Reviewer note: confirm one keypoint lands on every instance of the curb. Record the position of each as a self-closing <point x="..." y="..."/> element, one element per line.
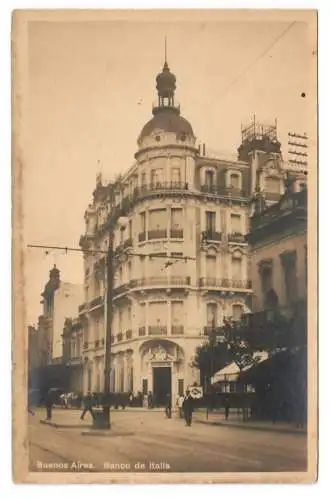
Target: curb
<point x="299" y="432"/>
<point x="64" y="426"/>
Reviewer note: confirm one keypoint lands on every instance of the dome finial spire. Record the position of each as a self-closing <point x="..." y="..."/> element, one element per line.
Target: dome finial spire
<point x="165" y="50"/>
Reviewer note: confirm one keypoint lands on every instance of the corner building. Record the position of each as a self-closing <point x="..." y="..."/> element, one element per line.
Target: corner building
<point x="179" y="202"/>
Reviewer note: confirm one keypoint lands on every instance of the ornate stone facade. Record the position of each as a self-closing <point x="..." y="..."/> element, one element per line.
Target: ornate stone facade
<point x="179" y="203"/>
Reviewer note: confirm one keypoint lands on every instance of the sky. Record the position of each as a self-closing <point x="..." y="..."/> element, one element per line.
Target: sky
<point x="90" y="91"/>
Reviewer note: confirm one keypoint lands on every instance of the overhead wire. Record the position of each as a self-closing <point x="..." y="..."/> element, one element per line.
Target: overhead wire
<point x="260" y="56"/>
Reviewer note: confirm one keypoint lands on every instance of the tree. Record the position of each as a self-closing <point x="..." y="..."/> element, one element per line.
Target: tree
<point x="241" y="341"/>
<point x="211" y="357"/>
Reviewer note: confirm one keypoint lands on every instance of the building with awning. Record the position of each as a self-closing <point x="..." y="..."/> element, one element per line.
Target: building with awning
<point x="227" y="378"/>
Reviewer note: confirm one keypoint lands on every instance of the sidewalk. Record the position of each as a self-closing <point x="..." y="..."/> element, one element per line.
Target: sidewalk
<point x="218" y="419"/>
<point x="64" y="418"/>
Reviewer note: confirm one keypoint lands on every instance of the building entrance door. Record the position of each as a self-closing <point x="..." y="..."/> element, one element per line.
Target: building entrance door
<point x="162" y="384"/>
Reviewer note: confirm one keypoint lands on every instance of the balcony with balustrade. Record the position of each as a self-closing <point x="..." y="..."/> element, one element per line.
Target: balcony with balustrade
<point x="96" y="303"/>
<point x="157" y="234"/>
<point x="160" y="234"/>
<point x="158" y="330"/>
<point x="211" y="235"/>
<point x="141" y="331"/>
<point x="224" y="284"/>
<point x="129" y="334"/>
<point x="228" y="191"/>
<point x="177" y="329"/>
<point x="153" y="282"/>
<point x="236" y="237"/>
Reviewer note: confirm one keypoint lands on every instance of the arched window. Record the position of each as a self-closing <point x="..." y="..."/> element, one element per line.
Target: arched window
<point x="211" y="313"/>
<point x="237" y="311"/>
<point x="235" y="181"/>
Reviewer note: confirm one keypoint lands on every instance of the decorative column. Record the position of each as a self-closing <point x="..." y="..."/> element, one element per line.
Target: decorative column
<point x="168" y="169"/>
<point x="125" y="371"/>
<point x="169" y="318"/>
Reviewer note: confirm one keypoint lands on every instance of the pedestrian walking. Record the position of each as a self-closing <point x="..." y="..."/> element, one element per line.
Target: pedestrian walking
<point x="188" y="408"/>
<point x="49" y="402"/>
<point x="88" y="406"/>
<point x="227" y="406"/>
<point x="168" y="406"/>
<point x="179" y="403"/>
<point x="150" y="400"/>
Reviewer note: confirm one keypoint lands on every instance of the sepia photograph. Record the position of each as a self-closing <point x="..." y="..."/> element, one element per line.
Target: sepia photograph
<point x="164" y="173"/>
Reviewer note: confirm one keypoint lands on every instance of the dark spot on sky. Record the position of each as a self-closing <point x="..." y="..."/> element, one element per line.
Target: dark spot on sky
<point x="303" y="94"/>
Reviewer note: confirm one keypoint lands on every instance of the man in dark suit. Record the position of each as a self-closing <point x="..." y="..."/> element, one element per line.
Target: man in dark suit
<point x="188" y="408"/>
<point x="88" y="405"/>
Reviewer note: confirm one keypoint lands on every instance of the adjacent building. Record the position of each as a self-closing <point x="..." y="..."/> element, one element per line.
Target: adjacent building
<point x="180" y="201"/>
<point x="60" y="300"/>
<point x="72" y="353"/>
<point x="278" y="239"/>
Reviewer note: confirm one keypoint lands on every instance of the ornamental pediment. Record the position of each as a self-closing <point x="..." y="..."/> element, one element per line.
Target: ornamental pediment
<point x="159" y="354"/>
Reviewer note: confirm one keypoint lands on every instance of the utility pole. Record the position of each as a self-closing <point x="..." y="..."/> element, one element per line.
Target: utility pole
<point x="108" y="333"/>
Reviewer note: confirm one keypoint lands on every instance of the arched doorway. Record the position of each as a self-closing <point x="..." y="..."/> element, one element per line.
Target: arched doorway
<point x="162" y="364"/>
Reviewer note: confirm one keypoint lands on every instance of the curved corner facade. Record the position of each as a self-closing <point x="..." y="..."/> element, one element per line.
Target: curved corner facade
<point x="179" y="203"/>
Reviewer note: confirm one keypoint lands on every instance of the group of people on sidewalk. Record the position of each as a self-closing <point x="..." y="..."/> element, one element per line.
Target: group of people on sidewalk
<point x="185" y="405"/>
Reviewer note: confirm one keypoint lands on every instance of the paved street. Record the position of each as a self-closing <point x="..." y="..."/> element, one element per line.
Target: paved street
<point x="147" y="441"/>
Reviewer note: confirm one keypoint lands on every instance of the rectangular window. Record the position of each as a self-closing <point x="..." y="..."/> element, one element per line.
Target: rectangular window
<point x="130" y="229"/>
<point x="209" y="179"/>
<point x="157" y="219"/>
<point x="142" y="315"/>
<point x="266" y="278"/>
<point x="290" y="278"/>
<point x="237" y="269"/>
<point x="210" y="221"/>
<point x="142" y="266"/>
<point x="211" y="312"/>
<point x="158" y="313"/>
<point x="235" y="181"/>
<point x="142" y="222"/>
<point x="237" y="311"/>
<point x="176" y="175"/>
<point x="181" y="386"/>
<point x="236" y="224"/>
<point x="177" y="312"/>
<point x="145" y="386"/>
<point x="143" y="179"/>
<point x="176" y="218"/>
<point x="156" y="176"/>
<point x="129" y="271"/>
<point x="211" y="266"/>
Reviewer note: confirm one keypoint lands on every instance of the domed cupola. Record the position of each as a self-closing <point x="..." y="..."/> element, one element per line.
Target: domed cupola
<point x="166" y="113"/>
<point x="166" y="87"/>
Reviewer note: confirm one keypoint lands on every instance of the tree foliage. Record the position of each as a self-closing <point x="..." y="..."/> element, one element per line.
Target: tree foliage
<point x="240" y="341"/>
